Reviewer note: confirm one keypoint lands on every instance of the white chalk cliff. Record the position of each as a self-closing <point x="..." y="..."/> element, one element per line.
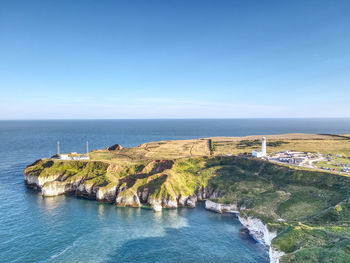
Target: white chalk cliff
<point x="257" y="229"/>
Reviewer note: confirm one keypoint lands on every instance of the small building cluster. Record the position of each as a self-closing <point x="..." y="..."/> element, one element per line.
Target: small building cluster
<point x="304" y="159"/>
<point x="73" y="155"/>
<point x="296" y="158"/>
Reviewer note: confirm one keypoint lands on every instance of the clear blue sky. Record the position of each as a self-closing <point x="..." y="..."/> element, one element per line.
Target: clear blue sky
<point x="174" y="59"/>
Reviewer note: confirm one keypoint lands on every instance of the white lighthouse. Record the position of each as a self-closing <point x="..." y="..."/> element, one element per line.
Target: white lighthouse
<point x="262" y="153"/>
<point x="263" y="146"/>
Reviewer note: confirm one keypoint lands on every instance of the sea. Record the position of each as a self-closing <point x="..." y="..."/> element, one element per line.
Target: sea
<point x="73" y="229"/>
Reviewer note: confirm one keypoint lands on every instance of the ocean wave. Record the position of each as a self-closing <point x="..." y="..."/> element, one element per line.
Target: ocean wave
<point x="63" y="251"/>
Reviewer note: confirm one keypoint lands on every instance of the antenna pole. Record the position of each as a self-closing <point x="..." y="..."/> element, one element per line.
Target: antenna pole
<point x="87" y="147"/>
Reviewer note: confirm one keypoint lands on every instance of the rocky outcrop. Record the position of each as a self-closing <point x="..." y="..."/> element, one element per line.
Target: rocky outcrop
<point x="257" y="229"/>
<point x="182" y="200"/>
<point x="106" y="193"/>
<point x="53" y="188"/>
<point x="137" y="184"/>
<point x="169" y="202"/>
<point x="127" y="200"/>
<point x="115" y="147"/>
<point x="157" y="207"/>
<point x="204" y="193"/>
<point x="39" y="181"/>
<point x="144" y="195"/>
<point x="191" y="201"/>
<point x="221" y="208"/>
<point x="275" y="255"/>
<point x="86" y="189"/>
<point x="164" y="202"/>
<point x="54" y="185"/>
<point x="260" y="232"/>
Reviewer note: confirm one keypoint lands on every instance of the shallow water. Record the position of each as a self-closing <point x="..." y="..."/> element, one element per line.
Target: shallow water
<point x="72" y="229"/>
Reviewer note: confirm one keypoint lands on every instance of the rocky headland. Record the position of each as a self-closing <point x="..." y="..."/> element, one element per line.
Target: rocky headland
<point x="299" y="215"/>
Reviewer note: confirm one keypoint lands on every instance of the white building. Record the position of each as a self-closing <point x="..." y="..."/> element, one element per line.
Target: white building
<point x="262" y="153"/>
<point x="257" y="154"/>
<point x="81" y="157"/>
<point x="77" y="157"/>
<point x="63" y="157"/>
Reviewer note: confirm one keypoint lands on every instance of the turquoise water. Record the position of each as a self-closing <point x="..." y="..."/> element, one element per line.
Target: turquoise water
<point x="71" y="229"/>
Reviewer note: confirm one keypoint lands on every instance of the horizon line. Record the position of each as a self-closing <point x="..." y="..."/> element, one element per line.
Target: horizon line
<point x="235" y="118"/>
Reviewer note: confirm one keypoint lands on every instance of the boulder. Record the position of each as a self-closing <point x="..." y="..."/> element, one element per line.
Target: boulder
<point x="115" y="147"/>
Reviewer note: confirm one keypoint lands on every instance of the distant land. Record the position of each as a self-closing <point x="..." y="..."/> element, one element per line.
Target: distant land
<point x="295" y="200"/>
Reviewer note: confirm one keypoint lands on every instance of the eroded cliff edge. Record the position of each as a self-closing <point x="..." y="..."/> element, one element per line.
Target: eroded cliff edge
<point x="299" y="214"/>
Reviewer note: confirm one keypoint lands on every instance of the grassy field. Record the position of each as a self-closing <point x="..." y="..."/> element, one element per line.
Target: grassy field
<point x="277" y="143"/>
<point x="226" y="146"/>
<point x="155" y="150"/>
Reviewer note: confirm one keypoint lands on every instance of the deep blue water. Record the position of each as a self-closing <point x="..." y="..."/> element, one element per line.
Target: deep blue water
<point x="71" y="229"/>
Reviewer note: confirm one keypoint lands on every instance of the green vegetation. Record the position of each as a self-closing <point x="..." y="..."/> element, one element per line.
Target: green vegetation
<point x="310" y="209"/>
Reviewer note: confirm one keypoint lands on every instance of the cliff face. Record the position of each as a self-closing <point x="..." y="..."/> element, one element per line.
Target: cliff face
<point x="153" y="184"/>
<point x="221" y="208"/>
<point x="286" y="209"/>
<point x="257" y="229"/>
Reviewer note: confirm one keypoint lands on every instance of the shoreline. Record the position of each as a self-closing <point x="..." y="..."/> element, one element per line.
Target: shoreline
<point x="254" y="226"/>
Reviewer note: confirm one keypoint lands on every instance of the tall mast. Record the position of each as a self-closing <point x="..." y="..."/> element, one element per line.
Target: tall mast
<point x="87" y="147"/>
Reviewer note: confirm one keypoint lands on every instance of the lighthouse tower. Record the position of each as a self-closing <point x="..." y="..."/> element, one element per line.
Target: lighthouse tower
<point x="262" y="153"/>
<point x="263" y="146"/>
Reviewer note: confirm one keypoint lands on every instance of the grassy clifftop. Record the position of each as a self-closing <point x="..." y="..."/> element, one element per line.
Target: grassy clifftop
<point x="309" y="209"/>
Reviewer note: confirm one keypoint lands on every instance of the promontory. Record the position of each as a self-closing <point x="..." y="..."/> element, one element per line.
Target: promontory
<point x="294" y="199"/>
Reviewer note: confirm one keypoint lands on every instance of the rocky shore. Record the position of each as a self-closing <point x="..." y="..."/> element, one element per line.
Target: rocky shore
<point x="51" y="186"/>
<point x="257" y="229"/>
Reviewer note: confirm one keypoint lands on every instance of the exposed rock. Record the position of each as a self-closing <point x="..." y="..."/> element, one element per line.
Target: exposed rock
<point x="275" y="255"/>
<point x="169" y="203"/>
<point x="165" y="202"/>
<point x="258" y="230"/>
<point x="221" y="208"/>
<point x="39" y="181"/>
<point x="182" y="200"/>
<point x="85" y="189"/>
<point x="127" y="200"/>
<point x="202" y="193"/>
<point x="191" y="201"/>
<point x="144" y="195"/>
<point x="157" y="207"/>
<point x="107" y="193"/>
<point x="53" y="188"/>
<point x="115" y="147"/>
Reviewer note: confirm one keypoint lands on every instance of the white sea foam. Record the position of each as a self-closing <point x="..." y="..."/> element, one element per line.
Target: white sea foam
<point x="62" y="252"/>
